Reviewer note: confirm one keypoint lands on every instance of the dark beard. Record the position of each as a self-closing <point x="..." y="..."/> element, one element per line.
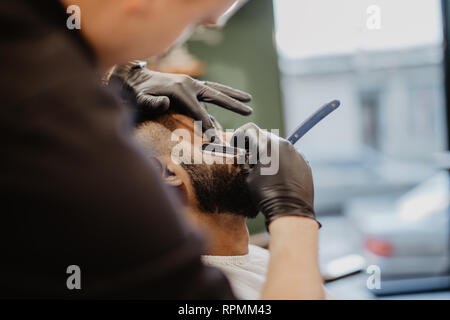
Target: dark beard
<point x="221" y="190"/>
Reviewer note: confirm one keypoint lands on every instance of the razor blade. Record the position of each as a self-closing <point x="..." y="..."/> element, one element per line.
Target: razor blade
<point x="223" y="150"/>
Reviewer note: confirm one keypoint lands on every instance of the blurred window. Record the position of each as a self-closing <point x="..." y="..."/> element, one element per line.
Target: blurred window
<point x="391" y="125"/>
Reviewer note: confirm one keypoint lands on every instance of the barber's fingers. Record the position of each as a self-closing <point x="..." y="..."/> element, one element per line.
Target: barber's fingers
<point x="156" y="104"/>
<point x="197" y="110"/>
<point x="208" y="94"/>
<point x="257" y="142"/>
<point x="301" y="154"/>
<point x="247" y="137"/>
<point x="231" y="92"/>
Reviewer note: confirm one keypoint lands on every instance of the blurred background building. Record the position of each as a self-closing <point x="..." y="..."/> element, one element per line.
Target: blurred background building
<point x="390" y="81"/>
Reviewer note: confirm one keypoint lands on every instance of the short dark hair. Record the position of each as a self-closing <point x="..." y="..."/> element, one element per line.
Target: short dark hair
<point x="156" y="133"/>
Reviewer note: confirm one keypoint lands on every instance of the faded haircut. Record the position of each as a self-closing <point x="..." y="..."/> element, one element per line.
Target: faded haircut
<point x="157" y="132"/>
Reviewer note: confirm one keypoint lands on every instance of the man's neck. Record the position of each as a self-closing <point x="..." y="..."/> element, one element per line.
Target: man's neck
<point x="227" y="233"/>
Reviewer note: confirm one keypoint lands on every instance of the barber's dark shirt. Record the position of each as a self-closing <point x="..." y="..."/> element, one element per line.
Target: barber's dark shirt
<point x="74" y="189"/>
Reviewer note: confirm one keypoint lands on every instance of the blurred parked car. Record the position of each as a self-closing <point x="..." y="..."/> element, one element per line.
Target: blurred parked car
<point x="407" y="236"/>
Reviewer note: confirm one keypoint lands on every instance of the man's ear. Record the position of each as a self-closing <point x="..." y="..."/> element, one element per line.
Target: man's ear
<point x="171" y="174"/>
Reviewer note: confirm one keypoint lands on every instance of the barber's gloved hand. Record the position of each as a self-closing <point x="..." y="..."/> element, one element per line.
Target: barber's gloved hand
<point x="286" y="192"/>
<point x="156" y="92"/>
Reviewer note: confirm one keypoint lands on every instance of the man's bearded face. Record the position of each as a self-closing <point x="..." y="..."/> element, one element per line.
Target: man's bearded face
<point x="221" y="188"/>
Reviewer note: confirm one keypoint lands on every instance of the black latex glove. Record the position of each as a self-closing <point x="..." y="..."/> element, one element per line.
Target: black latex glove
<point x="156" y="92"/>
<point x="287" y="192"/>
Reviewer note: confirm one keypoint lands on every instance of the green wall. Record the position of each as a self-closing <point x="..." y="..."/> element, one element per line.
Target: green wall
<point x="246" y="59"/>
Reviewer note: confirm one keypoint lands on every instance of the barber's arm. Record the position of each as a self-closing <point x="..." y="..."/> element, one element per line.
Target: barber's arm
<point x="286" y="199"/>
<point x="293" y="266"/>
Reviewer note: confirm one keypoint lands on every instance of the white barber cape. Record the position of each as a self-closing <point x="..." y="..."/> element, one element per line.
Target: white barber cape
<point x="246" y="273"/>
